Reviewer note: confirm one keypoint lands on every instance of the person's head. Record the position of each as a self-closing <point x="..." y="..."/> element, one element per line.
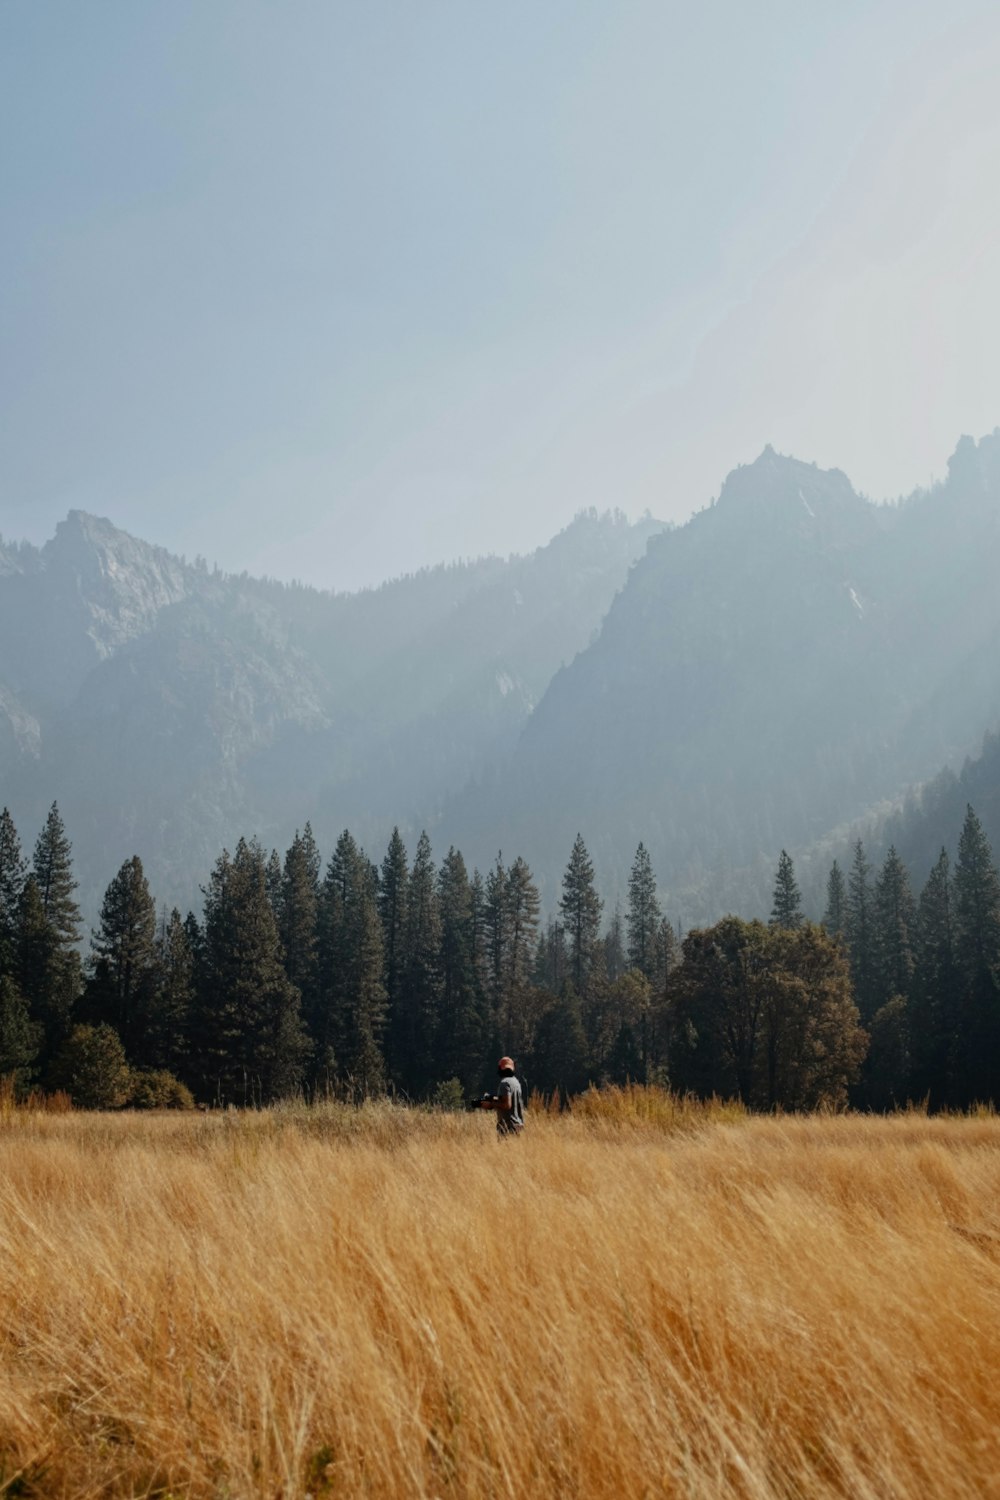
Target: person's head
<point x="505" y="1067"/>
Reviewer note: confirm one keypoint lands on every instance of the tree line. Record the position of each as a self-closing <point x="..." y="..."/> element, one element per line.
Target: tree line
<point x="357" y="978"/>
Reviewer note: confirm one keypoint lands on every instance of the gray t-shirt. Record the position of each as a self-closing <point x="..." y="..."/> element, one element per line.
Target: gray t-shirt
<point x="513" y="1122"/>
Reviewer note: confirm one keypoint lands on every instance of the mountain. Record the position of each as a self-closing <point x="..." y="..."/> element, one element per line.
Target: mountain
<point x="791" y="661"/>
<point x="791" y="657"/>
<point x="170" y="709"/>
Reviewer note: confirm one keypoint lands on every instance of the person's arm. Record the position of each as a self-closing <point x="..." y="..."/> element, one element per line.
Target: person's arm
<point x="505" y="1099"/>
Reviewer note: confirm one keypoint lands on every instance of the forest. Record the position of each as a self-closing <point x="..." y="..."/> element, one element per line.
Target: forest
<point x="409" y="977"/>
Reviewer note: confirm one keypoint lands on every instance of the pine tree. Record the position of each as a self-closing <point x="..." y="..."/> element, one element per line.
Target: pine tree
<point x="19" y="1036"/>
<point x="463" y="1029"/>
<point x="835" y="916"/>
<point x="494" y="916"/>
<point x="55" y="884"/>
<point x="666" y="957"/>
<point x="53" y="871"/>
<point x="581" y="909"/>
<point x="124" y="955"/>
<point x="393" y="895"/>
<point x="40" y="974"/>
<point x="298" y="911"/>
<point x="167" y="1026"/>
<point x="522" y="907"/>
<point x="477" y="936"/>
<point x="350" y="1017"/>
<point x="274" y="883"/>
<point x="599" y="1015"/>
<point x="335" y="955"/>
<point x="861" y="933"/>
<point x="895" y="917"/>
<point x="560" y="1053"/>
<point x="643" y="917"/>
<point x="614" y="946"/>
<point x="417" y="1018"/>
<point x="361" y="1053"/>
<point x="977" y="930"/>
<point x="935" y="1002"/>
<point x="786" y="910"/>
<point x="12" y="873"/>
<point x="551" y="958"/>
<point x="251" y="1035"/>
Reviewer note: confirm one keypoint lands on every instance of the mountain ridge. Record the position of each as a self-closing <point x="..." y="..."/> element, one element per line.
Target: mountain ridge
<point x="170" y="709"/>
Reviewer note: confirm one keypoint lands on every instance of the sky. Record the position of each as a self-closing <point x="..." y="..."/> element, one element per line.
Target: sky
<point x="336" y="291"/>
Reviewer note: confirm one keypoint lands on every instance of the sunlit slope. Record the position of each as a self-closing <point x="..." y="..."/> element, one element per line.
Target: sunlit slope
<point x="396" y="1305"/>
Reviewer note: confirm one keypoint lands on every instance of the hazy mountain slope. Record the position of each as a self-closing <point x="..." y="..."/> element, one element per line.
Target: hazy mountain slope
<point x="791" y="656"/>
<point x="170" y="709"/>
<point x="925" y="820"/>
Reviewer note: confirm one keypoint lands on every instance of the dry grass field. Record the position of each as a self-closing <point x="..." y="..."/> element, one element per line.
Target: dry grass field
<point x="638" y="1300"/>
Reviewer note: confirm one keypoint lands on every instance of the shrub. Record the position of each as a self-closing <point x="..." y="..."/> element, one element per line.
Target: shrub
<point x="449" y="1095"/>
<point x="158" y="1089"/>
<point x="93" y="1069"/>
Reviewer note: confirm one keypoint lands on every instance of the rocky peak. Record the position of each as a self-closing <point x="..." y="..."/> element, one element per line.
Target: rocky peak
<point x="119" y="582"/>
<point x="777" y="485"/>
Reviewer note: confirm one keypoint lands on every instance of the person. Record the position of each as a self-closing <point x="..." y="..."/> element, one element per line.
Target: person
<point x="508" y="1101"/>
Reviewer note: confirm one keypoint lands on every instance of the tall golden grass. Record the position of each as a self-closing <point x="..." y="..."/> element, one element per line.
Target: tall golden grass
<point x="638" y="1299"/>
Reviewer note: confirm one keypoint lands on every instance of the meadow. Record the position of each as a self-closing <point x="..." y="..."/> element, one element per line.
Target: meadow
<point x="638" y="1299"/>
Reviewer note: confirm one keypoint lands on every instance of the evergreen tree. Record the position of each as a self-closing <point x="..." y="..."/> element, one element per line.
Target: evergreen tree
<point x="393" y="896"/>
<point x="935" y="999"/>
<point x="599" y="1015"/>
<point x="655" y="1044"/>
<point x="338" y="900"/>
<point x="495" y="940"/>
<point x="477" y="938"/>
<point x="888" y="1065"/>
<point x="361" y="1053"/>
<point x="786" y="910"/>
<point x="835" y="916"/>
<point x="350" y="1016"/>
<point x="274" y="884"/>
<point x="124" y="955"/>
<point x="298" y="912"/>
<point x="895" y="918"/>
<point x="522" y="908"/>
<point x="53" y="871"/>
<point x="12" y="873"/>
<point x="614" y="946"/>
<point x="41" y="975"/>
<point x="551" y="958"/>
<point x="167" y="1027"/>
<point x="251" y="1036"/>
<point x="559" y="1062"/>
<point x="977" y="930"/>
<point x="19" y="1036"/>
<point x="643" y="916"/>
<point x="417" y="1017"/>
<point x="861" y="933"/>
<point x="463" y="1029"/>
<point x="581" y="908"/>
<point x="55" y="886"/>
<point x="631" y="1002"/>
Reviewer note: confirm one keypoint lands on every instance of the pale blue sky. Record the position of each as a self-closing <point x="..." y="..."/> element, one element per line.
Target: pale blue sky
<point x="334" y="291"/>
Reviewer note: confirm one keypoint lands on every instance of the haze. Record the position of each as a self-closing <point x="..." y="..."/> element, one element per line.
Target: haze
<point x="335" y="292"/>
